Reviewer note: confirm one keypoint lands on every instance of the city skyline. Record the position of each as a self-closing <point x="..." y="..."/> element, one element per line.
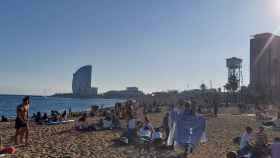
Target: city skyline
<point x="159" y="45"/>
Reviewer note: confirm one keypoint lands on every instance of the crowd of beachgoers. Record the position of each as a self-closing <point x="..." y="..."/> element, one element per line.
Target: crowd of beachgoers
<point x="130" y="129"/>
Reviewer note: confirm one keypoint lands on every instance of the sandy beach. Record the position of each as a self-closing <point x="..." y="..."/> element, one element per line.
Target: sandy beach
<point x="62" y="141"/>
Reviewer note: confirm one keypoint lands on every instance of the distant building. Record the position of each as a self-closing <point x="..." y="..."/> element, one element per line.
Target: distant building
<point x="265" y="65"/>
<point x="130" y="92"/>
<point x="81" y="84"/>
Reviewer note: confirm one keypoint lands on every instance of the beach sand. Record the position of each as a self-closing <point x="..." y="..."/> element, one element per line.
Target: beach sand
<point x="62" y="141"/>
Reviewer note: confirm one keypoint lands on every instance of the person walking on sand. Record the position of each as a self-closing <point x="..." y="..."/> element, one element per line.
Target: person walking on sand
<point x="21" y="123"/>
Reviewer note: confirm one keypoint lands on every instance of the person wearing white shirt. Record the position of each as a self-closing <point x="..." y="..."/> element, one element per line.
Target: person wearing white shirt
<point x="145" y="132"/>
<point x="107" y="123"/>
<point x="131" y="124"/>
<point x="157" y="135"/>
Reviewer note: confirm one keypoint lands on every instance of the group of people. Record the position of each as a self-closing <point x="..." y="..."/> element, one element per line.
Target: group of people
<point x="39" y="118"/>
<point x="108" y="121"/>
<point x="55" y="116"/>
<point x="4" y="119"/>
<point x="181" y="128"/>
<point x="255" y="145"/>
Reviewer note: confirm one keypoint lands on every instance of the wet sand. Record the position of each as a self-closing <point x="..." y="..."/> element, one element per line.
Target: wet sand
<point x="62" y="141"/>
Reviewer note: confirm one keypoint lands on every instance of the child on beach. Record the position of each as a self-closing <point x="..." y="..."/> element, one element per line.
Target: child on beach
<point x="21" y="123"/>
<point x="157" y="135"/>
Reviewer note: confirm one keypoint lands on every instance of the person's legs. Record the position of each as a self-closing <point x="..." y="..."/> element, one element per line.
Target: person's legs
<point x="26" y="135"/>
<point x="21" y="135"/>
<point x="17" y="135"/>
<point x="166" y="134"/>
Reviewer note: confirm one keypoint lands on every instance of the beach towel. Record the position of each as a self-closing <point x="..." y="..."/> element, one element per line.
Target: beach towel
<point x="189" y="128"/>
<point x="275" y="150"/>
<point x="8" y="150"/>
<point x="59" y="122"/>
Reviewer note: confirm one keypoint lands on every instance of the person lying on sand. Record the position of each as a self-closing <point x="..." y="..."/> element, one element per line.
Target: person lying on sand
<point x="21" y="123"/>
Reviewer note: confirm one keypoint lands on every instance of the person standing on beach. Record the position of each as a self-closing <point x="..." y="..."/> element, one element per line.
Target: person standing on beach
<point x="21" y="123"/>
<point x="165" y="125"/>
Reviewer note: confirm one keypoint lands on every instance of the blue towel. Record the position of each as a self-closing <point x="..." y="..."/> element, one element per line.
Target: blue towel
<point x="189" y="128"/>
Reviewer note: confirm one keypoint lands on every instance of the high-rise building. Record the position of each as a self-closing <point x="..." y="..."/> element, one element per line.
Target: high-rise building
<point x="265" y="65"/>
<point x="81" y="83"/>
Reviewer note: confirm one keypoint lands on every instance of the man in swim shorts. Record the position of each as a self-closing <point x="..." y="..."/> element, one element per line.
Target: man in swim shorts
<point x="21" y="123"/>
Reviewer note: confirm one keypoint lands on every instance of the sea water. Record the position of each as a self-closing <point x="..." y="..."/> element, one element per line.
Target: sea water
<point x="8" y="104"/>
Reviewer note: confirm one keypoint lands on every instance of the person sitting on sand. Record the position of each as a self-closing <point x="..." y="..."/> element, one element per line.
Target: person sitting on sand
<point x="107" y="123"/>
<point x="260" y="149"/>
<point x="45" y="117"/>
<point x="148" y="124"/>
<point x="275" y="148"/>
<point x="145" y="132"/>
<point x="115" y="120"/>
<point x="245" y="141"/>
<point x="157" y="135"/>
<point x="21" y="123"/>
<point x="64" y="115"/>
<point x="129" y="135"/>
<point x="55" y="116"/>
<point x="81" y="123"/>
<point x="38" y="117"/>
<point x="261" y="138"/>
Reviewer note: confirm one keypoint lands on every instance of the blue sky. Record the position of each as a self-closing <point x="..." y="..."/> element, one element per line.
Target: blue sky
<point x="153" y="44"/>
